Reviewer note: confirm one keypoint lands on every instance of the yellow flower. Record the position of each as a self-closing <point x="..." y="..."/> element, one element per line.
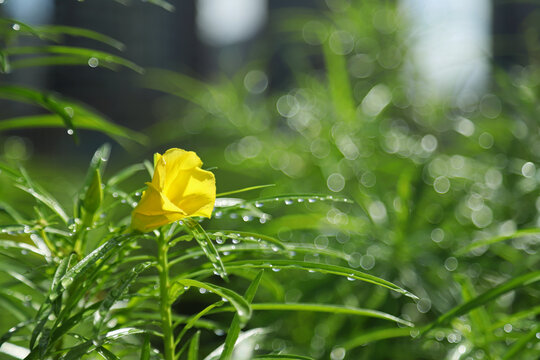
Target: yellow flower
<point x="179" y="189"/>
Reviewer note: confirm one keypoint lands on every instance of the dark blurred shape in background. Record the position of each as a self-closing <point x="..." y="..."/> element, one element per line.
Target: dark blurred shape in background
<point x="452" y="49"/>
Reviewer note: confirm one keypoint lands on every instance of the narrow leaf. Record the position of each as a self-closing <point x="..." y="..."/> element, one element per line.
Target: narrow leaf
<point x="234" y="328"/>
<point x="207" y="246"/>
<point x="193" y="352"/>
<point x="240" y="305"/>
<point x="316" y="267"/>
<point x="520" y="281"/>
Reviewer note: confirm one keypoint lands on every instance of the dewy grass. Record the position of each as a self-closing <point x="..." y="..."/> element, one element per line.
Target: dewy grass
<point x="398" y="224"/>
<point x="94" y="270"/>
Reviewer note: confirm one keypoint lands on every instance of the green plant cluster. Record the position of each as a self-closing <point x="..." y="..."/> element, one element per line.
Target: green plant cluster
<point x="409" y="228"/>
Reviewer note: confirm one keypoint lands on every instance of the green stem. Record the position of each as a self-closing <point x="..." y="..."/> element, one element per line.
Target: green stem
<point x="165" y="304"/>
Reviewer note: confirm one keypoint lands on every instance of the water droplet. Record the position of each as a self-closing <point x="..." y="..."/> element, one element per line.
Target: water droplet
<point x="69" y="131"/>
<point x="259" y="204"/>
<point x="220" y="240"/>
<point x="276" y="269"/>
<point x="288" y="202"/>
<point x="235" y="241"/>
<point x="351" y="278"/>
<point x="312" y="200"/>
<point x="16" y="27"/>
<point x="114" y="194"/>
<point x="93" y="62"/>
<point x="137" y="194"/>
<point x="66" y="282"/>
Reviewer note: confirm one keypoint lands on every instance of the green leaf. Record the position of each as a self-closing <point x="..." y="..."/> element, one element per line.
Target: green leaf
<point x="75" y="51"/>
<point x="376" y="335"/>
<point x="108" y="355"/>
<point x="8" y="244"/>
<point x="94" y="194"/>
<point x="51" y="60"/>
<point x="125" y="174"/>
<point x="520" y="281"/>
<point x="14" y="214"/>
<point x="194" y="319"/>
<point x="240" y="305"/>
<point x="47" y="200"/>
<point x="339" y="85"/>
<point x="316" y="267"/>
<point x="250" y="237"/>
<point x="14" y="330"/>
<point x="282" y="357"/>
<point x="496" y="239"/>
<point x="234" y="328"/>
<point x="45" y="100"/>
<point x="521" y="343"/>
<point x="145" y="348"/>
<point x="82" y="266"/>
<point x="55" y="30"/>
<point x="244" y="190"/>
<point x="332" y="309"/>
<point x="193" y="352"/>
<point x="207" y="246"/>
<point x="81" y="120"/>
<point x="118" y="290"/>
<point x="53" y="302"/>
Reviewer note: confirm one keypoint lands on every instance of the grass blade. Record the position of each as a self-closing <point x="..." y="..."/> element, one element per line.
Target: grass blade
<point x="282" y="357"/>
<point x="145" y="349"/>
<point x="81" y="120"/>
<point x="316" y="267"/>
<point x="193" y="352"/>
<point x="83" y="265"/>
<point x="194" y="319"/>
<point x="332" y="309"/>
<point x="521" y="344"/>
<point x="496" y="239"/>
<point x="376" y="335"/>
<point x="55" y="30"/>
<point x="237" y="301"/>
<point x="75" y="51"/>
<point x="115" y="294"/>
<point x="207" y="246"/>
<point x="244" y="190"/>
<point x="520" y="281"/>
<point x="125" y="174"/>
<point x="47" y="201"/>
<point x="234" y="328"/>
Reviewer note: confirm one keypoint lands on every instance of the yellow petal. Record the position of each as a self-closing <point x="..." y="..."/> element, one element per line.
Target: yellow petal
<point x="146" y="223"/>
<point x="154" y="202"/>
<point x="199" y="194"/>
<point x="179" y="188"/>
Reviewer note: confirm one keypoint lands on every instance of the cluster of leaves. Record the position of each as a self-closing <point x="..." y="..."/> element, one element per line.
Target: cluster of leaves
<point x="444" y="205"/>
<point x="447" y="187"/>
<point x="83" y="283"/>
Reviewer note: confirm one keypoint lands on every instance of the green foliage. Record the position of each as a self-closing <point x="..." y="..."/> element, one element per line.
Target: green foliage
<point x="394" y="225"/>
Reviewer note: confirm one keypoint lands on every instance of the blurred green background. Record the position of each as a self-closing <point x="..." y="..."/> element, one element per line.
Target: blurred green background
<point x="424" y="112"/>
